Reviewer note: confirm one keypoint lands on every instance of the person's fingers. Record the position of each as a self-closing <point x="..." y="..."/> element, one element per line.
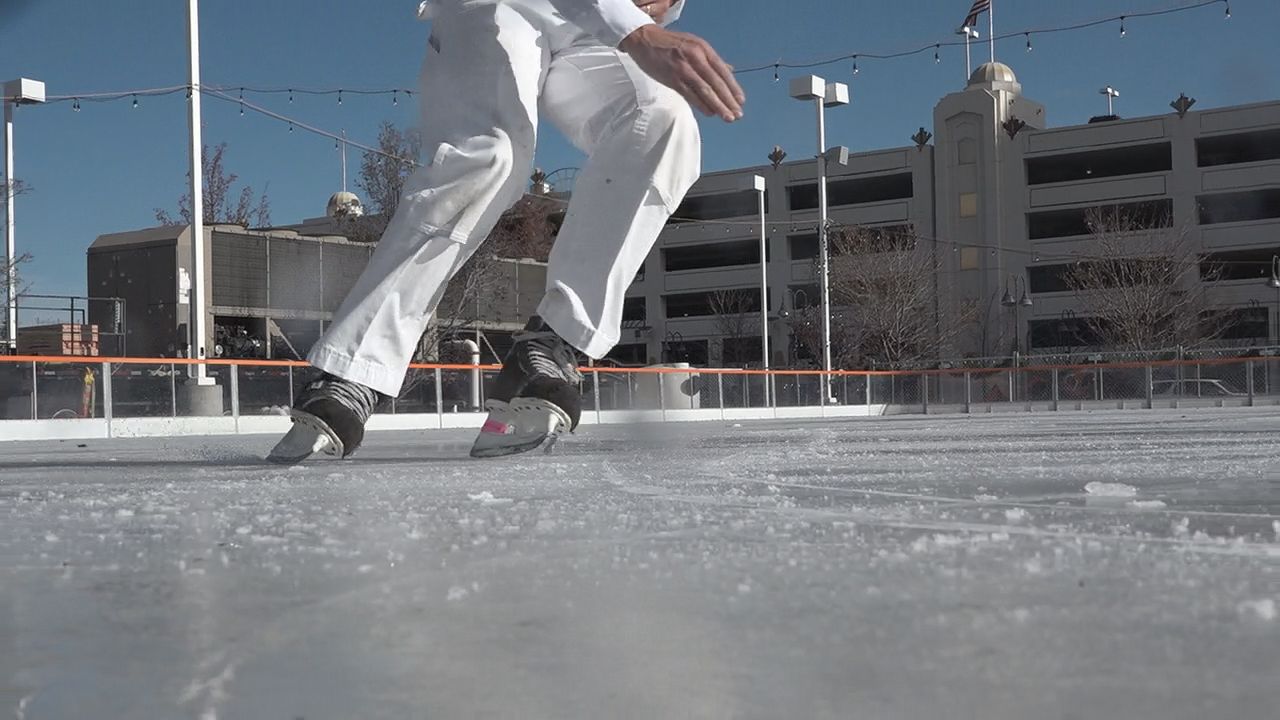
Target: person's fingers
<point x="726" y="74"/>
<point x="696" y="99"/>
<point x="712" y="98"/>
<point x="722" y="94"/>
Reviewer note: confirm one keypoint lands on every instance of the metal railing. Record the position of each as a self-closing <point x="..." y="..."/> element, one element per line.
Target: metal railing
<point x="42" y="388"/>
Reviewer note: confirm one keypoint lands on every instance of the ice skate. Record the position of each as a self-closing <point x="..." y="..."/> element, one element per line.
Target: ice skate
<point x="329" y="418"/>
<point x="535" y="398"/>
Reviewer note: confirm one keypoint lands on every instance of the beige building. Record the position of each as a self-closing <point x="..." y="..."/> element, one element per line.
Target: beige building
<point x="1001" y="198"/>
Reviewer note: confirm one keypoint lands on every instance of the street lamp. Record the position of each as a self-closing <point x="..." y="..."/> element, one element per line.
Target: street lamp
<point x="16" y="92"/>
<point x="1111" y="94"/>
<point x="1010" y="289"/>
<point x="823" y="95"/>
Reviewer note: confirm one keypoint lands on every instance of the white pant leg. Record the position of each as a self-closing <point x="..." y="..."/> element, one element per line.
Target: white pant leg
<point x="645" y="153"/>
<point x="479" y="90"/>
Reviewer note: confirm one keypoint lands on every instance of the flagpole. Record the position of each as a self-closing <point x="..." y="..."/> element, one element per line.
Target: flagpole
<point x="968" y="57"/>
<point x="991" y="28"/>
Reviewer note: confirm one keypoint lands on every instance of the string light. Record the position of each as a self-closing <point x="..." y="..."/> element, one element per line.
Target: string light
<point x="937" y="58"/>
<point x="75" y="105"/>
<point x="855" y="64"/>
<point x="1122" y="31"/>
<point x="775" y="73"/>
<point x="395" y="100"/>
<point x="241" y="102"/>
<point x="339" y="97"/>
<point x="290" y="96"/>
<point x="1228" y="10"/>
<point x="135" y="102"/>
<point x="1029" y="42"/>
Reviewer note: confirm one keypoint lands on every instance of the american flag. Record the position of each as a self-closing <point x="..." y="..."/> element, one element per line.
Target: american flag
<point x="979" y="7"/>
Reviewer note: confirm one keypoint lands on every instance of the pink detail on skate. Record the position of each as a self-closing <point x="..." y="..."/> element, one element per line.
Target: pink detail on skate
<point x="495" y="427"/>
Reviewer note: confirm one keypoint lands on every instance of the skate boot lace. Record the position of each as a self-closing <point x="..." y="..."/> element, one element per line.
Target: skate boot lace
<point x="356" y="397"/>
<point x="546" y="354"/>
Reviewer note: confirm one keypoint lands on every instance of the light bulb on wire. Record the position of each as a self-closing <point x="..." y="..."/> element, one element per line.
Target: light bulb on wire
<point x="1122" y="31"/>
<point x="855" y="64"/>
<point x="1228" y="11"/>
<point x="1029" y="48"/>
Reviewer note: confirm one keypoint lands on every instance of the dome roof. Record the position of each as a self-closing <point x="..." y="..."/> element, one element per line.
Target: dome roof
<point x="344" y="205"/>
<point x="995" y="76"/>
<point x="992" y="72"/>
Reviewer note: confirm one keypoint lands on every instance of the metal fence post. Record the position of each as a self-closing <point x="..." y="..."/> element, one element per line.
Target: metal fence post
<point x="596" y="392"/>
<point x="662" y="395"/>
<point x="720" y="392"/>
<point x="1055" y="389"/>
<point x="108" y="409"/>
<point x="867" y="377"/>
<point x="968" y="392"/>
<point x="439" y="397"/>
<point x="235" y="397"/>
<point x="1248" y="380"/>
<point x="924" y="384"/>
<point x="290" y="368"/>
<point x="173" y="390"/>
<point x="35" y="393"/>
<point x="1151" y="399"/>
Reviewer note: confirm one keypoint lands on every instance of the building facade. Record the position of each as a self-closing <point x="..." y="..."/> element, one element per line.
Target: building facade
<point x="1000" y="199"/>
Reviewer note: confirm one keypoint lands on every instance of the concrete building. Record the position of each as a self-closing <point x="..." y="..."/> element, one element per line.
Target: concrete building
<point x="272" y="292"/>
<point x="1001" y="198"/>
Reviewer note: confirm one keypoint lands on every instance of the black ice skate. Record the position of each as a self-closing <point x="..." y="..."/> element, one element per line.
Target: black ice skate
<point x="329" y="417"/>
<point x="535" y="396"/>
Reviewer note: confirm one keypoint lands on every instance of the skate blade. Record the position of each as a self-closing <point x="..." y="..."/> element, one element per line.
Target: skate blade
<point x="522" y="426"/>
<point x="309" y="435"/>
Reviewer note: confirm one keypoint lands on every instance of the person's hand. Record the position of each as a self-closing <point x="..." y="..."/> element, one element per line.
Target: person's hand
<point x="656" y="9"/>
<point x="690" y="66"/>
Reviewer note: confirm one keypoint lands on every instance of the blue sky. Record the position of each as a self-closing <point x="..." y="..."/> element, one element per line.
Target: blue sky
<point x="106" y="168"/>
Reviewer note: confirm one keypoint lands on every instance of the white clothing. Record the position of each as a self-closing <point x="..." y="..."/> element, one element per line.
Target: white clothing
<point x="492" y="67"/>
<point x="608" y="20"/>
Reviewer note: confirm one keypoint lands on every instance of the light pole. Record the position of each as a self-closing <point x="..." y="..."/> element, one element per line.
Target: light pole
<point x="1275" y="283"/>
<point x="1111" y="94"/>
<point x="16" y="92"/>
<point x="758" y="184"/>
<point x="823" y="95"/>
<point x="196" y="302"/>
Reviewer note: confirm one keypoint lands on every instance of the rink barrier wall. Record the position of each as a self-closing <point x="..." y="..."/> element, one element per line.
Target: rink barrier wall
<point x="70" y="398"/>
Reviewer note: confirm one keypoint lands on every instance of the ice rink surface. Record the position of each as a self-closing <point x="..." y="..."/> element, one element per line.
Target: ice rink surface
<point x="1048" y="566"/>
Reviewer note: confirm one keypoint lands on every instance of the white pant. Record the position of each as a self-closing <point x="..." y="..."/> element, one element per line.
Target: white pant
<point x="491" y="67"/>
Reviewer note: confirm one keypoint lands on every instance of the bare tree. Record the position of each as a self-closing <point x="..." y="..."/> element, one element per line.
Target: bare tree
<point x="1141" y="284"/>
<point x="484" y="283"/>
<point x="885" y="303"/>
<point x="220" y="204"/>
<point x="382" y="178"/>
<point x="733" y="312"/>
<point x="12" y="264"/>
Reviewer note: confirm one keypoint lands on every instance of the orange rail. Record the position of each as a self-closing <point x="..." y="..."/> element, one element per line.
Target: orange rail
<point x="249" y="362"/>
